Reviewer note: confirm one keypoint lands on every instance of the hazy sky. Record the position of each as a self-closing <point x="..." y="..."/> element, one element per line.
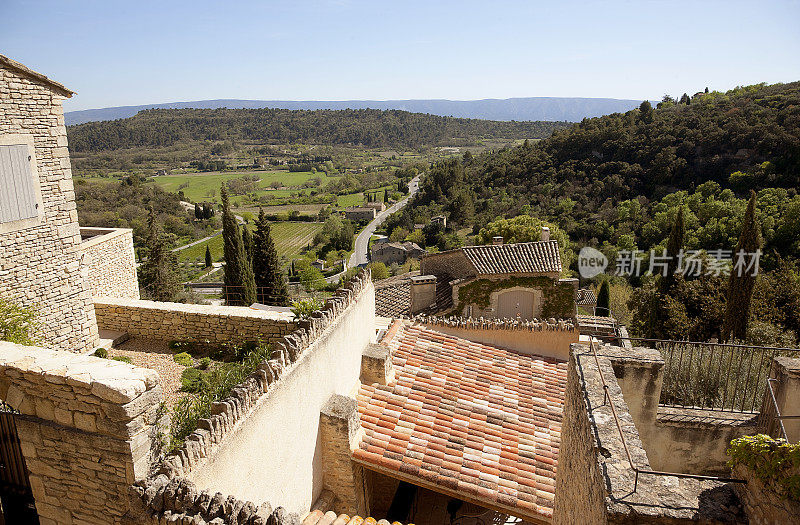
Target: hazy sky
<point x="114" y="52"/>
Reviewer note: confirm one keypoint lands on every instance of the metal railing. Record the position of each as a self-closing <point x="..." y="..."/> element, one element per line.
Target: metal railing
<point x="637" y="470"/>
<point x="720" y="376"/>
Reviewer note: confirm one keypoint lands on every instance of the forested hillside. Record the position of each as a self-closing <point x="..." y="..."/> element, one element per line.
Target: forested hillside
<point x="368" y="127"/>
<point x="616" y="183"/>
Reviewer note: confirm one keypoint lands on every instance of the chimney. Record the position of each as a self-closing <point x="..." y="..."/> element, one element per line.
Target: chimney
<point x="545" y="233"/>
<point x="497" y="240"/>
<point x="423" y="293"/>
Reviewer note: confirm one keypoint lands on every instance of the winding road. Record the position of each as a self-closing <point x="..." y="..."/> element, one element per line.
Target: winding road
<point x="360" y="256"/>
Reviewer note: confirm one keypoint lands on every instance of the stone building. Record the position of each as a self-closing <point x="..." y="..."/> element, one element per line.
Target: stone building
<point x="359" y="214"/>
<point x="512" y="281"/>
<point x="395" y="252"/>
<point x="40" y="259"/>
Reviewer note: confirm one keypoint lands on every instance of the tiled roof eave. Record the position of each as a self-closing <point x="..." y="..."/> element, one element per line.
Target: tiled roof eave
<point x="543" y="518"/>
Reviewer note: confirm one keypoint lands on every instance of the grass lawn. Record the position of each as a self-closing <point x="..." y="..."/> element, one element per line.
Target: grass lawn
<point x="352" y="199"/>
<point x="290" y="238"/>
<point x="203" y="185"/>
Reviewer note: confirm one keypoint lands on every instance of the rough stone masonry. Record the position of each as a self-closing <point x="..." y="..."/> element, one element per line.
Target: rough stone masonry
<point x="40" y="263"/>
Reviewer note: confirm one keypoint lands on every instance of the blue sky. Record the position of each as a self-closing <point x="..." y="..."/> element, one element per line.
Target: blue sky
<point x="116" y="52"/>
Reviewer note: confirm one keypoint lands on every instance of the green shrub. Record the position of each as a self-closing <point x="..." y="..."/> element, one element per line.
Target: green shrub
<point x="204" y="363"/>
<point x="303" y="308"/>
<point x="17" y="323"/>
<point x="192" y="380"/>
<point x="101" y="352"/>
<point x="183" y="359"/>
<point x="772" y="460"/>
<point x="123" y="358"/>
<point x="207" y="387"/>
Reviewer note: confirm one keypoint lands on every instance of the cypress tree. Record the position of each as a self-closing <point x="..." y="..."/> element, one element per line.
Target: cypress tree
<point x="740" y="287"/>
<point x="603" y="307"/>
<point x="247" y="243"/>
<point x="266" y="266"/>
<point x="198" y="214"/>
<point x="238" y="273"/>
<point x="209" y="260"/>
<point x="159" y="274"/>
<point x="674" y="246"/>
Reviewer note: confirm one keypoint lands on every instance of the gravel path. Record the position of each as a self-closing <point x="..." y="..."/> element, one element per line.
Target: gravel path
<point x="157" y="356"/>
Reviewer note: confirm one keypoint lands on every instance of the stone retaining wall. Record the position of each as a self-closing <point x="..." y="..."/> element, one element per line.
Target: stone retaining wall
<point x="108" y="255"/>
<point x="191" y="322"/>
<point x="546" y="337"/>
<point x="88" y="429"/>
<point x="764" y="503"/>
<point x="255" y="443"/>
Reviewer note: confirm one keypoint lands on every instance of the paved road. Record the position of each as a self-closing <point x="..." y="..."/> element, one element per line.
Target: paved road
<point x="359" y="256"/>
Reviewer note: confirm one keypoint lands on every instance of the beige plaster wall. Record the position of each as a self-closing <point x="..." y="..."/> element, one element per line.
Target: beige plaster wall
<point x="40" y="263"/>
<point x="553" y="343"/>
<point x="110" y="260"/>
<point x="275" y="453"/>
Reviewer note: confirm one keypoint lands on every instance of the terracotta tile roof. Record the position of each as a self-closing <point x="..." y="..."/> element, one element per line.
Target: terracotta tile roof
<point x="523" y="257"/>
<point x="467" y="419"/>
<point x="393" y="296"/>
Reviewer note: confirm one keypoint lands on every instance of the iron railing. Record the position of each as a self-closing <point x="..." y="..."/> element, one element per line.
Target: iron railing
<point x="771" y="414"/>
<point x="637" y="470"/>
<point x="720" y="376"/>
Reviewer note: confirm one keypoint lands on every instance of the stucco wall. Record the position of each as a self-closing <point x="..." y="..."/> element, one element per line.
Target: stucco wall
<point x="535" y="337"/>
<point x="108" y="255"/>
<point x="275" y="454"/>
<point x="191" y="322"/>
<point x="86" y="430"/>
<point x="40" y="264"/>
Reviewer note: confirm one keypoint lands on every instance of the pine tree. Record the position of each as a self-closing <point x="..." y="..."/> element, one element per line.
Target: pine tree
<point x="603" y="307"/>
<point x="209" y="260"/>
<point x="674" y="247"/>
<point x="239" y="281"/>
<point x="158" y="274"/>
<point x="740" y="287"/>
<point x="266" y="266"/>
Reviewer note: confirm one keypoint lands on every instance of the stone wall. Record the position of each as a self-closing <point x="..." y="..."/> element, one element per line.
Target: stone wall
<point x="763" y="501"/>
<point x="676" y="439"/>
<point x="539" y="337"/>
<point x="595" y="481"/>
<point x="40" y="264"/>
<point x="262" y="446"/>
<point x="88" y="429"/>
<point x="191" y="322"/>
<point x="111" y="262"/>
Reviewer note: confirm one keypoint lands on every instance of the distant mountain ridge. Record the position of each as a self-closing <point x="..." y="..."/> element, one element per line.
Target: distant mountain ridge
<point x="570" y="109"/>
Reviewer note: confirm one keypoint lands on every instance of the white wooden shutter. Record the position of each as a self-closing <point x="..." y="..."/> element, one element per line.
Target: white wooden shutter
<point x="17" y="191"/>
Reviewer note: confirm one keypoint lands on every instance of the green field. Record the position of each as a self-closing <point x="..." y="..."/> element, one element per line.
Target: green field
<point x="205" y="185"/>
<point x="290" y="239"/>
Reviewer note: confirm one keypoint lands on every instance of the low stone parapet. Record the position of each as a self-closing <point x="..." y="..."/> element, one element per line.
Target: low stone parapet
<point x="87" y="426"/>
<point x="191" y="322"/>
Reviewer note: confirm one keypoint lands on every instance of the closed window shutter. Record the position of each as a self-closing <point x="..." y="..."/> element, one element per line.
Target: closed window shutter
<point x="17" y="192"/>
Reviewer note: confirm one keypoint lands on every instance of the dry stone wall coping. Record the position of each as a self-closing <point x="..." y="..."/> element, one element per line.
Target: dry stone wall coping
<point x="167" y="494"/>
<point x="481" y="323"/>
